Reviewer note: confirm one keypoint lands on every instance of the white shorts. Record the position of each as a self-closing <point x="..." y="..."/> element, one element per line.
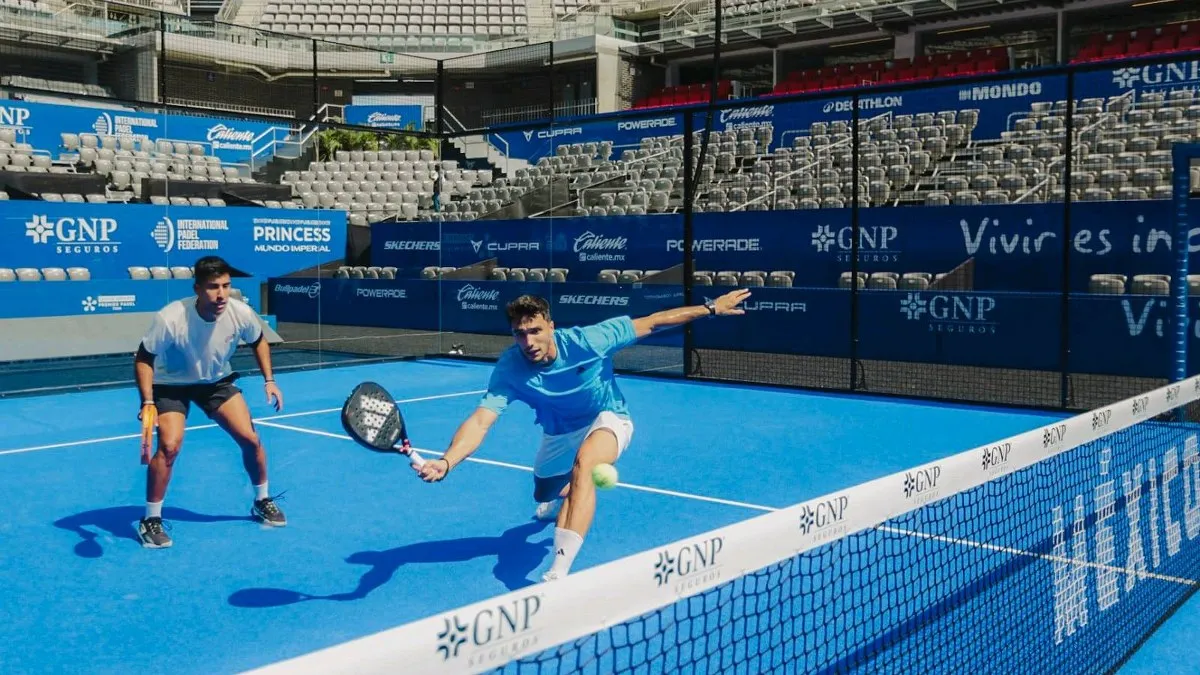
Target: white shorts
<point x="556" y="456"/>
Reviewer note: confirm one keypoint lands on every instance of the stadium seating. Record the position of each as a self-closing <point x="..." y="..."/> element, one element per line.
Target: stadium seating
<point x="405" y="24"/>
<point x="1177" y="37"/>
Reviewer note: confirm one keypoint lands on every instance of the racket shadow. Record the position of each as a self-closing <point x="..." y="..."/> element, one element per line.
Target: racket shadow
<point x="120" y="522"/>
<point x="516" y="557"/>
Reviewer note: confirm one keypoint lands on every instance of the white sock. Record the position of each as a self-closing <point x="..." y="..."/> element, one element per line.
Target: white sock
<point x="566" y="547"/>
<point x="261" y="491"/>
<point x="154" y="509"/>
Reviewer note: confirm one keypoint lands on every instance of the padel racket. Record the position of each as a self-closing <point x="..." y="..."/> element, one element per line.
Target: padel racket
<point x="371" y="417"/>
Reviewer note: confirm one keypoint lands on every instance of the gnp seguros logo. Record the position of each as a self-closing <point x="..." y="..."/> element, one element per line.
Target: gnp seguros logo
<point x="690" y="565"/>
<point x="876" y="243"/>
<point x="825" y="519"/>
<point x="1158" y="75"/>
<point x="491" y="635"/>
<point x="947" y="313"/>
<point x="74" y="234"/>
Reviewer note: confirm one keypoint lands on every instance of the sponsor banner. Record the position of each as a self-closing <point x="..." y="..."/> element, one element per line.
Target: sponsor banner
<point x="1117" y="335"/>
<point x="585" y="246"/>
<point x="108" y="239"/>
<point x="530" y="144"/>
<point x="386" y="116"/>
<point x="233" y="140"/>
<point x="461" y="306"/>
<point x="1183" y="75"/>
<point x="998" y="104"/>
<point x="1013" y="247"/>
<point x="102" y="296"/>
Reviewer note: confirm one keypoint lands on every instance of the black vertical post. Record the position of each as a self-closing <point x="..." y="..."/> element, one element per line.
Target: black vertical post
<point x="689" y="194"/>
<point x="855" y="141"/>
<point x="439" y="126"/>
<point x="551" y="84"/>
<point x="316" y="83"/>
<point x="1064" y="354"/>
<point x="162" y="59"/>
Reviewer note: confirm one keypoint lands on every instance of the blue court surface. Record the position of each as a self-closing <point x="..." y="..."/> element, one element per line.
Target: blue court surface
<point x="368" y="546"/>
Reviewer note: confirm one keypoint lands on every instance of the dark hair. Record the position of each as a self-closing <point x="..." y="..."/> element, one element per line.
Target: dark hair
<point x="527" y="307"/>
<point x="210" y="267"/>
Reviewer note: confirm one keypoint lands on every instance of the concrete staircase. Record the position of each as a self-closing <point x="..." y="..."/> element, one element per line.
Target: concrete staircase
<point x="477" y="148"/>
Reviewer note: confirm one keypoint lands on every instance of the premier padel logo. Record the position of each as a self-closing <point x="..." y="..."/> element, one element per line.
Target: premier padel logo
<point x="112" y="303"/>
<point x="79" y="234"/>
<point x="825" y="519"/>
<point x="689" y="566"/>
<point x="922" y="484"/>
<point x="493" y="633"/>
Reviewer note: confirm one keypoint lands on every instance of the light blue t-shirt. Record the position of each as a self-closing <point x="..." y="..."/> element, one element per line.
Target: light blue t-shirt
<point x="569" y="392"/>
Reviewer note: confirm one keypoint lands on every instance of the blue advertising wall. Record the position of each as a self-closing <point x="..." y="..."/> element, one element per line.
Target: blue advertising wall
<point x="1115" y="335"/>
<point x="997" y="104"/>
<point x="233" y="140"/>
<point x="103" y="296"/>
<point x="1015" y="247"/>
<point x="108" y="239"/>
<point x="386" y="116"/>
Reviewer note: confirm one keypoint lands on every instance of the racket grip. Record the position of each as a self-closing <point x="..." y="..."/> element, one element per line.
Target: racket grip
<point x="414" y="458"/>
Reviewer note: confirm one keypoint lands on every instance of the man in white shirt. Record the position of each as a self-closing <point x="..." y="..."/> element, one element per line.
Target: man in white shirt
<point x="185" y="358"/>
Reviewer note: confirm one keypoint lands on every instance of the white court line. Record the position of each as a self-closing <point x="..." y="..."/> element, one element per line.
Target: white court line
<point x="259" y="420"/>
<point x="519" y="467"/>
<point x="1030" y="554"/>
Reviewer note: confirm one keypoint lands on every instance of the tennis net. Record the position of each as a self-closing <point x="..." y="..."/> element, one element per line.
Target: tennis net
<point x="1064" y="546"/>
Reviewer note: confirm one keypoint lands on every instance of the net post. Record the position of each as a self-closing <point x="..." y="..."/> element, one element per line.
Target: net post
<point x="1182" y="155"/>
<point x="855" y="140"/>
<point x="689" y="190"/>
<point x="1064" y="327"/>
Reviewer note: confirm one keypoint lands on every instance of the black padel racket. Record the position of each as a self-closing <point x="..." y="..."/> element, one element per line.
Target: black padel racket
<point x="372" y="418"/>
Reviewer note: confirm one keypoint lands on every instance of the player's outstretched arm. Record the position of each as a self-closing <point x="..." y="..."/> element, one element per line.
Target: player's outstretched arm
<point x="467" y="439"/>
<point x="723" y="306"/>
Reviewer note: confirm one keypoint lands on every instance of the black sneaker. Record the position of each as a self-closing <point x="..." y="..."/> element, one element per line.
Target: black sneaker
<point x="151" y="533"/>
<point x="267" y="512"/>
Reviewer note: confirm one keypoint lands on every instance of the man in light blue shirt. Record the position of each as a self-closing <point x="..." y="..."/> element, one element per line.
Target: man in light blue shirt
<point x="566" y="376"/>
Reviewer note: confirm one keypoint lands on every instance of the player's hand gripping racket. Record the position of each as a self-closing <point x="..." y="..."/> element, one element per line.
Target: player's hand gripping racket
<point x="373" y="420"/>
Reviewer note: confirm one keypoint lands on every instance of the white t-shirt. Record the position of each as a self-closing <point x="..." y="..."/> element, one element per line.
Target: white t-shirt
<point x="190" y="350"/>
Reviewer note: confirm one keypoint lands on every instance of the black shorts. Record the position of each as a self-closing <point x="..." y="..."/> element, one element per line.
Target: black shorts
<point x="208" y="397"/>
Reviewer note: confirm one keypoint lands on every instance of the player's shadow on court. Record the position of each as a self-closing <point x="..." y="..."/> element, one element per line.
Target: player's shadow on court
<point x="515" y="555"/>
<point x="121" y="523"/>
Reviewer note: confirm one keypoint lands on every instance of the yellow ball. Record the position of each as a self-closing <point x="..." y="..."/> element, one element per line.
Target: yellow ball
<point x="604" y="476"/>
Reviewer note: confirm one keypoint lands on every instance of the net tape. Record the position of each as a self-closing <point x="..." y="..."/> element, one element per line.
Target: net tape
<point x="486" y="635"/>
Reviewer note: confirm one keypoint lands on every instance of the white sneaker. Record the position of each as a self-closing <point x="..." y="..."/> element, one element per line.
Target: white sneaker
<point x="548" y="510"/>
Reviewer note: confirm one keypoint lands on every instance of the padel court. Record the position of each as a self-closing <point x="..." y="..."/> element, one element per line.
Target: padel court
<point x="368" y="546"/>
